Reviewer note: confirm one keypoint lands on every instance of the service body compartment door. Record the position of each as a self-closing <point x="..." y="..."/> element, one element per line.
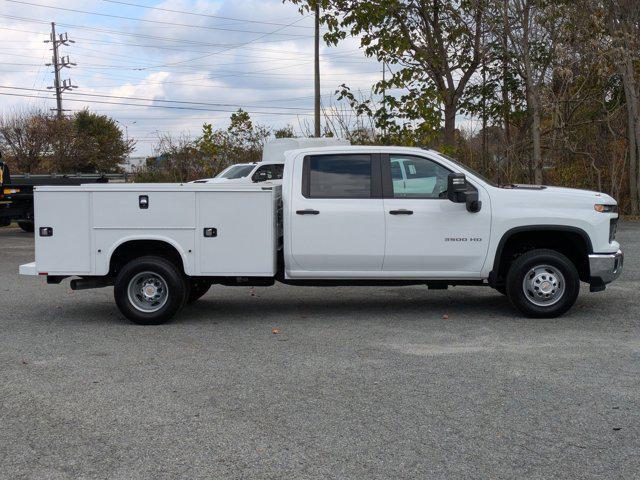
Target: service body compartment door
<point x="240" y="229"/>
<point x="68" y="249"/>
<point x="144" y="209"/>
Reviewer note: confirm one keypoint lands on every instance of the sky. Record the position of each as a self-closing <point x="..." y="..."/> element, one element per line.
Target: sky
<point x="255" y="54"/>
<point x="135" y="58"/>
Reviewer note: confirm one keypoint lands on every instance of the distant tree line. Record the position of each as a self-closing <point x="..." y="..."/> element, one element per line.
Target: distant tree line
<point x="181" y="158"/>
<point x="85" y="142"/>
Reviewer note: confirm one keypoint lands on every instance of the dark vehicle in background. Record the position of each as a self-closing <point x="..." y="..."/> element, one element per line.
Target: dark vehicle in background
<point x="16" y="192"/>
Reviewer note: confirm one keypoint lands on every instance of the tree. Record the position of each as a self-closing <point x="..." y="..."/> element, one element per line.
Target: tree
<point x="533" y="39"/>
<point x="23" y="135"/>
<point x="284" y="132"/>
<point x="64" y="147"/>
<point x="102" y="146"/>
<point x="85" y="142"/>
<point x="435" y="46"/>
<point x="622" y="20"/>
<point x="246" y="139"/>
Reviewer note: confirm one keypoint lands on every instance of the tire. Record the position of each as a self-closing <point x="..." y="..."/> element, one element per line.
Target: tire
<point x="26" y="226"/>
<point x="149" y="290"/>
<point x="542" y="283"/>
<point x="197" y="288"/>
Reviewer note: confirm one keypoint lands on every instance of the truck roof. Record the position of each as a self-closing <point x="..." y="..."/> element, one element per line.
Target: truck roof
<point x="360" y="148"/>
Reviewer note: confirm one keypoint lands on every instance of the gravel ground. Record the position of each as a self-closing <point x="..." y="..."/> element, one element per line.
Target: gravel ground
<point x="360" y="383"/>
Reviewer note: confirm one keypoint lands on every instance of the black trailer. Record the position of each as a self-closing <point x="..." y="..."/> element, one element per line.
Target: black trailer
<point x="16" y="192"/>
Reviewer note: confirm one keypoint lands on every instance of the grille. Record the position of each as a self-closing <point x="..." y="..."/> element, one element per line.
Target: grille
<point x="613" y="227"/>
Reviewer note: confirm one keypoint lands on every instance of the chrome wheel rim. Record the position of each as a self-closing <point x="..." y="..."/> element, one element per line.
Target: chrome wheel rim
<point x="148" y="292"/>
<point x="543" y="285"/>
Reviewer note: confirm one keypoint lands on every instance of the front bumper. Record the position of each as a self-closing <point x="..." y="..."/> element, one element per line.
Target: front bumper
<point x="604" y="268"/>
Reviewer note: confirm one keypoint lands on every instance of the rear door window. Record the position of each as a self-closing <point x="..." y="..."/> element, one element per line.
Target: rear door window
<point x="337" y="176"/>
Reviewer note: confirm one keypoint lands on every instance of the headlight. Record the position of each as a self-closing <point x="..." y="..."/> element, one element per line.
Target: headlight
<point x="599" y="207"/>
<point x="9" y="191"/>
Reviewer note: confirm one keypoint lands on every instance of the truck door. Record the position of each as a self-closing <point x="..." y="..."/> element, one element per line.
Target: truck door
<point x="336" y="217"/>
<point x="426" y="234"/>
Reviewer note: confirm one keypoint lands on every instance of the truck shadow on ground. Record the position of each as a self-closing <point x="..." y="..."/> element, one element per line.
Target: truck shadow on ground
<point x="361" y="306"/>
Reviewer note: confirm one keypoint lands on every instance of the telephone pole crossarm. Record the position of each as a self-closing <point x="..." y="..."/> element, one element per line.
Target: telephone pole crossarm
<point x="58" y="63"/>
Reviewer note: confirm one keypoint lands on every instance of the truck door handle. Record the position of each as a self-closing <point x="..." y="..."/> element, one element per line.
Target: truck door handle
<point x="402" y="211"/>
<point x="308" y="211"/>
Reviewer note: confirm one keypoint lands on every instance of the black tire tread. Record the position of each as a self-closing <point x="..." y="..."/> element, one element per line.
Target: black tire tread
<point x="521" y="265"/>
<point x="176" y="283"/>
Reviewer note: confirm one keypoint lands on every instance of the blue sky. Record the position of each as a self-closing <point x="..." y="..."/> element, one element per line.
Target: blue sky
<point x="256" y="54"/>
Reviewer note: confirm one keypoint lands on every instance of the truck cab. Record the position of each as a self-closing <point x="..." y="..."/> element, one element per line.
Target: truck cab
<point x="343" y="215"/>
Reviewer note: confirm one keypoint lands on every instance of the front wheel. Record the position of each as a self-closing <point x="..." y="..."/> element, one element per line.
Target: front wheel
<point x="149" y="290"/>
<point x="542" y="283"/>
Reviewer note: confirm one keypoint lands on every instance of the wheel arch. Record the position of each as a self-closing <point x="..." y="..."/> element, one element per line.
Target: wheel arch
<point x="571" y="241"/>
<point x="133" y="247"/>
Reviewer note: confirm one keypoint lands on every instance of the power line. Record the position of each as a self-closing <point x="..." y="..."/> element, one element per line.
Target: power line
<point x="244" y="20"/>
<point x="158" y="22"/>
<point x="303" y="111"/>
<point x="356" y="52"/>
<point x="215" y="104"/>
<point x="156" y="106"/>
<point x="170" y="107"/>
<point x="118" y="32"/>
<point x="231" y="48"/>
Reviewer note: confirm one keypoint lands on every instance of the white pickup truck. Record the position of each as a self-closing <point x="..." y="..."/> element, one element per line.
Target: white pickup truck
<point x="344" y="215"/>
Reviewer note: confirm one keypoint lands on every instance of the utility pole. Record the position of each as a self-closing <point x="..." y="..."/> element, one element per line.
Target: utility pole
<point x="317" y="70"/>
<point x="384" y="94"/>
<point x="58" y="64"/>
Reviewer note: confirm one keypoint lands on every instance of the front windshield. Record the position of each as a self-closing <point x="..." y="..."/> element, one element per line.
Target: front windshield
<point x="469" y="169"/>
<point x="237" y="171"/>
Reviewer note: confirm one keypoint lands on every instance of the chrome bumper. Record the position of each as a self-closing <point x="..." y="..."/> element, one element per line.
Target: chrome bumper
<point x="605" y="267"/>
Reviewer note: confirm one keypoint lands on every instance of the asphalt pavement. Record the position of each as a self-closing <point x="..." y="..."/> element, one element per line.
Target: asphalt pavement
<point x="355" y="383"/>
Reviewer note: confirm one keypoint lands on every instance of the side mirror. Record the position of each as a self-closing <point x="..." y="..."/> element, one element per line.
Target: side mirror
<point x="260" y="177"/>
<point x="458" y="192"/>
<point x="473" y="204"/>
<point x="457" y="187"/>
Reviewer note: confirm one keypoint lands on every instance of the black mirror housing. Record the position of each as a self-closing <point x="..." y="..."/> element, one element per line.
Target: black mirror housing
<point x="473" y="204"/>
<point x="457" y="187"/>
<point x="260" y="177"/>
<point x="458" y="192"/>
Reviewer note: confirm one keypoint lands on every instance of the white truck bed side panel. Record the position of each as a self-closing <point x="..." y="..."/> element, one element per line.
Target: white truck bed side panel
<point x="246" y="233"/>
<point x="69" y="248"/>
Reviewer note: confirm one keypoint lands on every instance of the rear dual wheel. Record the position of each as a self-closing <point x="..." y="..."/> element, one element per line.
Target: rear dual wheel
<point x="26" y="226"/>
<point x="150" y="290"/>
